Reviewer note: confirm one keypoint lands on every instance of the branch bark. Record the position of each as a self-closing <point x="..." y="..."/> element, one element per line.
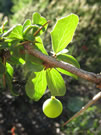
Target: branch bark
<point x="92" y="77"/>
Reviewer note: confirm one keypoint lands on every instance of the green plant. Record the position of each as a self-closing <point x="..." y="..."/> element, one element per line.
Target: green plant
<point x="40" y="74"/>
<point x="52" y="107"/>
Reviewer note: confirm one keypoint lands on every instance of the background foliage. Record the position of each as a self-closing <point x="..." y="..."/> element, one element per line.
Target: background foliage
<point x="85" y="47"/>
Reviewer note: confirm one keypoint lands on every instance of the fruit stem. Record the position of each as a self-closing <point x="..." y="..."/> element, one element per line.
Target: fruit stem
<point x="52" y="97"/>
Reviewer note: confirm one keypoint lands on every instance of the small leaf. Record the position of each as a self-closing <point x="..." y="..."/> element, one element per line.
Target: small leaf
<point x="26" y="24"/>
<point x="28" y="32"/>
<point x="63" y="32"/>
<point x="39" y="20"/>
<point x="55" y="82"/>
<point x="36" y="85"/>
<point x="68" y="59"/>
<point x="29" y="28"/>
<point x="9" y="69"/>
<point x="22" y="61"/>
<point x="15" y="32"/>
<point x="39" y="45"/>
<point x="67" y="73"/>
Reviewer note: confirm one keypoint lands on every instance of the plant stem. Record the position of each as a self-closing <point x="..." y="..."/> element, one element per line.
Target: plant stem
<point x="94" y="99"/>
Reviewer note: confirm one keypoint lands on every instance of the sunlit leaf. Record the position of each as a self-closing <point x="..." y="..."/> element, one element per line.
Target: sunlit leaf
<point x="39" y="20"/>
<point x="36" y="85"/>
<point x="15" y="32"/>
<point x="26" y="24"/>
<point x="39" y="45"/>
<point x="68" y="59"/>
<point x="67" y="73"/>
<point x="9" y="69"/>
<point x="22" y="61"/>
<point x="55" y="82"/>
<point x="63" y="32"/>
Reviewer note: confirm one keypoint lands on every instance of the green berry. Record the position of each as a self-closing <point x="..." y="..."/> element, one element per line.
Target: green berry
<point x="52" y="107"/>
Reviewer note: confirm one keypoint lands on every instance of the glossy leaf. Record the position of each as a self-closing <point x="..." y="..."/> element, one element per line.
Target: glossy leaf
<point x="55" y="82"/>
<point x="36" y="85"/>
<point x="63" y="32"/>
<point x="39" y="45"/>
<point x="68" y="59"/>
<point x="15" y="32"/>
<point x="39" y="20"/>
<point x="29" y="27"/>
<point x="26" y="24"/>
<point x="9" y="69"/>
<point x="28" y="34"/>
<point x="67" y="73"/>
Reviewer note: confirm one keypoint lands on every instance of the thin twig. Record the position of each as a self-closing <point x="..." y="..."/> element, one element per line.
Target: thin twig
<point x="91" y="102"/>
<point x="41" y="28"/>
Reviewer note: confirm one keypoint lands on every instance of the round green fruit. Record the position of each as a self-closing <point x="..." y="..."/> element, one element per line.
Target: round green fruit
<point x="52" y="107"/>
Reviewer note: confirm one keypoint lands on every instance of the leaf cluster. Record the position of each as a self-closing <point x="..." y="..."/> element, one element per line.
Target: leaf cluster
<point x="41" y="75"/>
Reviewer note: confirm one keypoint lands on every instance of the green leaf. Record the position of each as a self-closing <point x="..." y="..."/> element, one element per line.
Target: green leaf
<point x="39" y="20"/>
<point x="15" y="32"/>
<point x="55" y="82"/>
<point x="36" y="85"/>
<point x="68" y="59"/>
<point x="26" y="24"/>
<point x="9" y="69"/>
<point x="28" y="33"/>
<point x="63" y="32"/>
<point x="39" y="45"/>
<point x="29" y="28"/>
<point x="67" y="73"/>
<point x="22" y="61"/>
<point x="31" y="66"/>
<point x="2" y="68"/>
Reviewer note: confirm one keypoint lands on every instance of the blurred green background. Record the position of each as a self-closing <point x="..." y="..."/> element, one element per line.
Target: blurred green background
<point x="85" y="47"/>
